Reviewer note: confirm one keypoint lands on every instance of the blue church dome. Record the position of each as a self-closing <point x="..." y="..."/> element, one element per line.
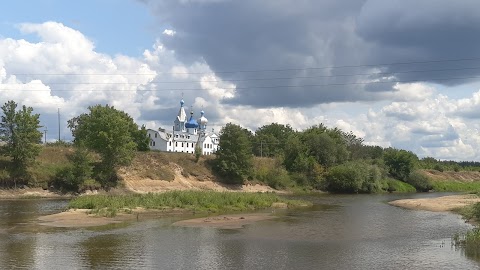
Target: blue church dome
<point x="192" y="123"/>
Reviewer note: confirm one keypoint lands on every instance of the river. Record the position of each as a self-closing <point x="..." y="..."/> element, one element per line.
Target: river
<point x="338" y="232"/>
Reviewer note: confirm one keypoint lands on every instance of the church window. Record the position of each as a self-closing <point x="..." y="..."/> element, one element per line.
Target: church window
<point x="156" y="135"/>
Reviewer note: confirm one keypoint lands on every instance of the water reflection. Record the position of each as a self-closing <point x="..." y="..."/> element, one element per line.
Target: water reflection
<point x="339" y="232"/>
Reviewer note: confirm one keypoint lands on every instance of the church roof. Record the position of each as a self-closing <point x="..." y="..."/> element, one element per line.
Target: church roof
<point x="192" y="123"/>
<point x="181" y="116"/>
<point x="202" y="120"/>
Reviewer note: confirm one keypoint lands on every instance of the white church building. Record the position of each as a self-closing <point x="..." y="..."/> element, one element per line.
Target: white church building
<point x="185" y="135"/>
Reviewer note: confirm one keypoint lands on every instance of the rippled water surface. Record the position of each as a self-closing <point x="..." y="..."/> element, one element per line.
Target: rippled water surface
<point x="339" y="232"/>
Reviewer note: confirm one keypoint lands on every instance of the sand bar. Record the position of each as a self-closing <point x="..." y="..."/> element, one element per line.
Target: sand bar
<point x="236" y="221"/>
<point x="438" y="204"/>
<point x="76" y="218"/>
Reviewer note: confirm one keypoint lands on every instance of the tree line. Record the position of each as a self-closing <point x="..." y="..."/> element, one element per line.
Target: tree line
<point x="315" y="158"/>
<point x="321" y="158"/>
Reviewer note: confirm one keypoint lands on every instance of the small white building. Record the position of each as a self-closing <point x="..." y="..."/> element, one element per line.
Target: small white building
<point x="185" y="135"/>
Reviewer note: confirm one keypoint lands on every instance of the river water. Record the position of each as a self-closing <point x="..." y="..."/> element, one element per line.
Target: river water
<point x="338" y="232"/>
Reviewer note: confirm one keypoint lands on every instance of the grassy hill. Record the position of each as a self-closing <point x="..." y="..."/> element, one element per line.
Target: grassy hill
<point x="161" y="171"/>
<point x="454" y="181"/>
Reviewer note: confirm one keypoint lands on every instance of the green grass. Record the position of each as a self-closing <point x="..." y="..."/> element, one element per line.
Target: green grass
<point x="399" y="186"/>
<point x="469" y="242"/>
<point x="454" y="186"/>
<point x="191" y="200"/>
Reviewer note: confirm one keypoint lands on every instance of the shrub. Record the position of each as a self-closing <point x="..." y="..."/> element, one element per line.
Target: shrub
<point x="394" y="185"/>
<point x="438" y="167"/>
<point x="354" y="177"/>
<point x="419" y="181"/>
<point x="345" y="178"/>
<point x="89" y="184"/>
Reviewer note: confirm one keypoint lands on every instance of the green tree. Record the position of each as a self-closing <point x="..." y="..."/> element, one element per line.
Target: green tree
<point x="234" y="159"/>
<point x="354" y="177"/>
<point x="400" y="163"/>
<point x="419" y="180"/>
<point x="140" y="137"/>
<point x="295" y="157"/>
<point x="72" y="177"/>
<point x="327" y="146"/>
<point x="110" y="133"/>
<point x="270" y="139"/>
<point x="19" y="132"/>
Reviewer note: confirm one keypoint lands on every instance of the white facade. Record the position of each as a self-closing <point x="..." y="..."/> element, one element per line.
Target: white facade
<point x="185" y="135"/>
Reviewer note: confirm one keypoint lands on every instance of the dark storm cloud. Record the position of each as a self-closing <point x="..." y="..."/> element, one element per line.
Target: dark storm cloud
<point x="416" y="31"/>
<point x="281" y="34"/>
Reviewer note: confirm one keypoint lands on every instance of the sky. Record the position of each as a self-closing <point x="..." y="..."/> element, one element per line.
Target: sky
<point x="397" y="73"/>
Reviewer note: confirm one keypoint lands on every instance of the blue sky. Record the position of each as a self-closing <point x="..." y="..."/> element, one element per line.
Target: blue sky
<point x="140" y="55"/>
<point x="115" y="26"/>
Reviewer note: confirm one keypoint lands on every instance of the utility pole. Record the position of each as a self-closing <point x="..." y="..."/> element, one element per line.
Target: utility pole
<point x="59" y="124"/>
<point x="45" y="134"/>
<point x="261" y="148"/>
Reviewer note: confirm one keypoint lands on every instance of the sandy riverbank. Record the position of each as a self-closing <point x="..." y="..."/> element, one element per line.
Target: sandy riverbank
<point x="79" y="218"/>
<point x="236" y="221"/>
<point x="22" y="193"/>
<point x="439" y="204"/>
<point x="76" y="218"/>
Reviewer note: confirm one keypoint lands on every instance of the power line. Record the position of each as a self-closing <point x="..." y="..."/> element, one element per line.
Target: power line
<point x="264" y="79"/>
<point x="261" y="70"/>
<point x="247" y="88"/>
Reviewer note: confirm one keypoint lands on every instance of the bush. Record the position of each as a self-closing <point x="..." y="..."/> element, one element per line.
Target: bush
<point x="70" y="178"/>
<point x="354" y="177"/>
<point x="65" y="180"/>
<point x="400" y="163"/>
<point x="271" y="172"/>
<point x="438" y="167"/>
<point x="394" y="185"/>
<point x="89" y="184"/>
<point x="419" y="181"/>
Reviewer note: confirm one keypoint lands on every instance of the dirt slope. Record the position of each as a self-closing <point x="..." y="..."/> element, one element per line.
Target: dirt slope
<point x="463" y="176"/>
<point x="160" y="172"/>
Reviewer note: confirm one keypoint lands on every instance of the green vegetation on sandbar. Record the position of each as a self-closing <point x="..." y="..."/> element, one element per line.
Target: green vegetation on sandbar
<point x="469" y="241"/>
<point x="211" y="201"/>
<point x="454" y="186"/>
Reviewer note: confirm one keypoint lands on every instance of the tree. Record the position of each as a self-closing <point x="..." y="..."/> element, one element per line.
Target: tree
<point x="19" y="132"/>
<point x="400" y="163"/>
<point x="141" y="138"/>
<point x="72" y="177"/>
<point x="327" y="146"/>
<point x="111" y="133"/>
<point x="270" y="139"/>
<point x="234" y="159"/>
<point x="353" y="177"/>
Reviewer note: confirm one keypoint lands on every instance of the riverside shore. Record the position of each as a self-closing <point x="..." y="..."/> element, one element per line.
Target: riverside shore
<point x="79" y="218"/>
<point x="25" y="193"/>
<point x="439" y="204"/>
<point x="236" y="221"/>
